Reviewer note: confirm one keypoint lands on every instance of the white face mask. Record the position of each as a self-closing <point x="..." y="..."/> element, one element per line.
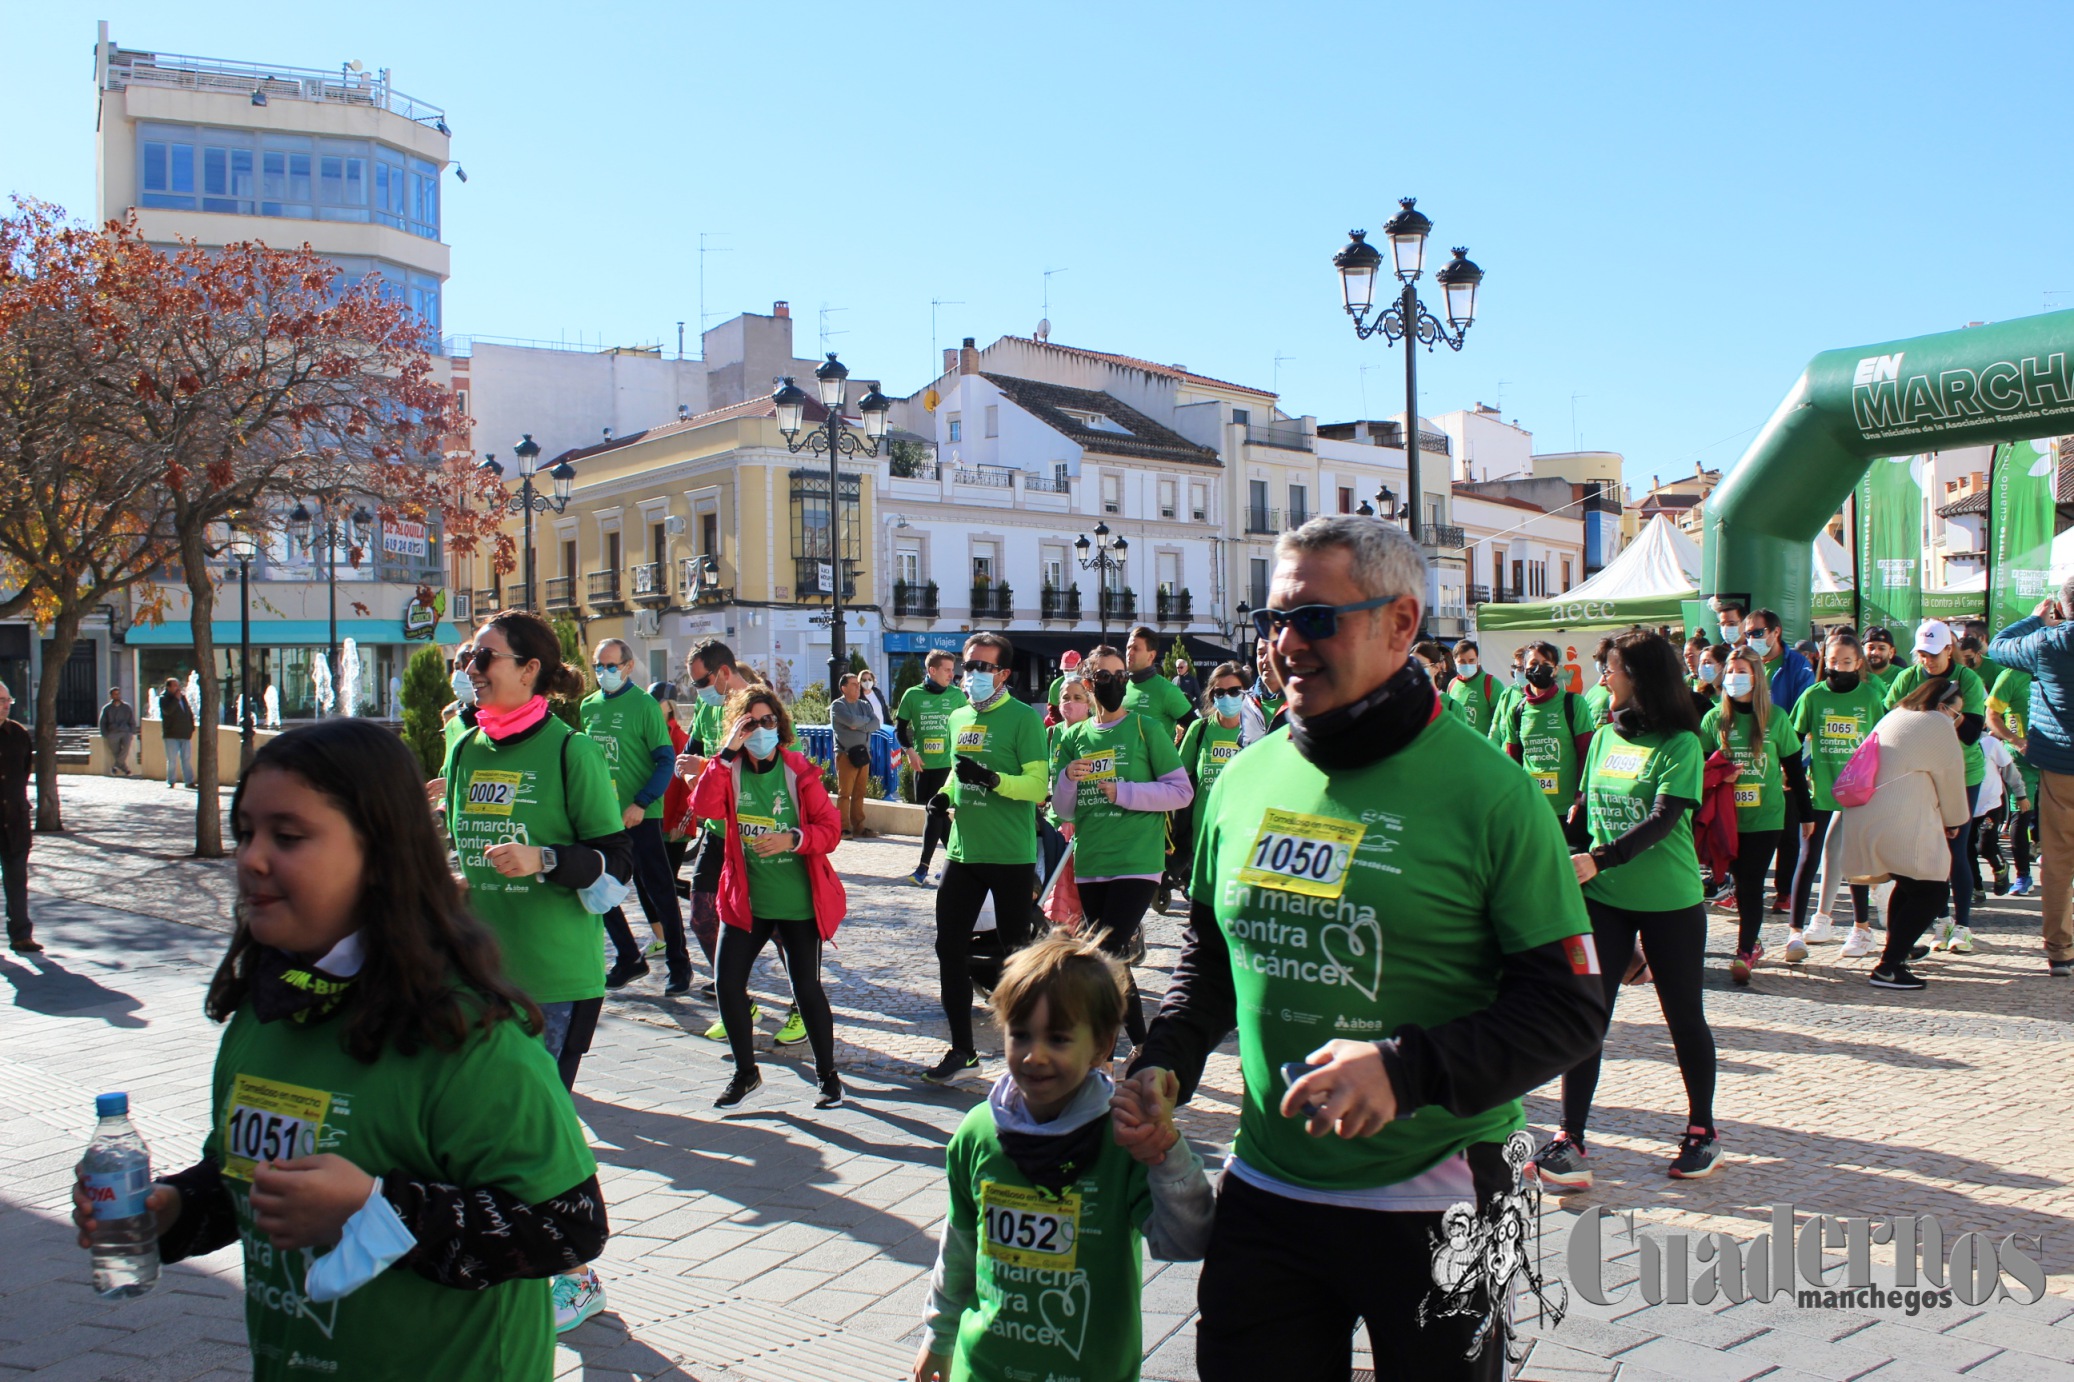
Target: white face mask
<point x="1465" y="669"/>
<point x="1736" y="685"/>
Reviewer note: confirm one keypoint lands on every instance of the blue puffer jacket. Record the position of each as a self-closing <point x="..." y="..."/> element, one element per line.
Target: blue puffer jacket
<point x="2047" y="654"/>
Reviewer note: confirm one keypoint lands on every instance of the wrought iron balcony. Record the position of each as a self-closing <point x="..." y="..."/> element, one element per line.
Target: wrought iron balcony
<point x="807" y="582"/>
<point x="652" y="582"/>
<point x="1263" y="520"/>
<point x="602" y="588"/>
<point x="1479" y="594"/>
<point x="1119" y="606"/>
<point x="486" y="600"/>
<point x="1445" y="537"/>
<point x="914" y="601"/>
<point x="1059" y="604"/>
<point x="994" y="600"/>
<point x="1175" y="606"/>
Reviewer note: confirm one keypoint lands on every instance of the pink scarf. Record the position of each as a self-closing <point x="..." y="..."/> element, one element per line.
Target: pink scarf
<point x="502" y="724"/>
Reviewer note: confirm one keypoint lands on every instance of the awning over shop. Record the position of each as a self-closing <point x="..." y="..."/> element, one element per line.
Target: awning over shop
<point x="276" y="633"/>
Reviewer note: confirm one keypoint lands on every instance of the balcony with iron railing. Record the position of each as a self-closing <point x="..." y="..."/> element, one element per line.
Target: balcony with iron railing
<point x="651" y="582"/>
<point x="1119" y="606"/>
<point x="1059" y="604"/>
<point x="1479" y="594"/>
<point x="807" y="582"/>
<point x="993" y="600"/>
<point x="1297" y="518"/>
<point x="561" y="592"/>
<point x="486" y="599"/>
<point x="701" y="576"/>
<point x="127" y="67"/>
<point x="602" y="588"/>
<point x="985" y="476"/>
<point x="1285" y="436"/>
<point x="1445" y="537"/>
<point x="1033" y="483"/>
<point x="1175" y="606"/>
<point x="914" y="600"/>
<point x="1259" y="520"/>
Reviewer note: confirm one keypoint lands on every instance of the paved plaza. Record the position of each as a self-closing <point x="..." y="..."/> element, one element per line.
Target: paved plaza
<point x="783" y="1245"/>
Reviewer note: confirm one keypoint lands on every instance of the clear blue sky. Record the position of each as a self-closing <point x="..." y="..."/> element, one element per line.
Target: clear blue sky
<point x="1676" y="205"/>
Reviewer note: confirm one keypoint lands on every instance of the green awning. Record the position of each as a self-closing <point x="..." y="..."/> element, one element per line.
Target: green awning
<point x="1955" y="604"/>
<point x="275" y="633"/>
<point x="1551" y="615"/>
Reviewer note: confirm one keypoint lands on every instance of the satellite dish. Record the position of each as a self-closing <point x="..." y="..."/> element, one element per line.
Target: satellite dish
<point x="1044" y="329"/>
<point x="931" y="399"/>
<point x="356" y="66"/>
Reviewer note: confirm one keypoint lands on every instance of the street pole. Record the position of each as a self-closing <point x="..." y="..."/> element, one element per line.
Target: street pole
<point x="526" y="494"/>
<point x="331" y="565"/>
<point x="838" y="658"/>
<point x="244" y="663"/>
<point x="1410" y="308"/>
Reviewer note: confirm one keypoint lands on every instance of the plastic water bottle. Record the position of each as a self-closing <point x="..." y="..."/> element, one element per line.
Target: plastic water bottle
<point x="117" y="1171"/>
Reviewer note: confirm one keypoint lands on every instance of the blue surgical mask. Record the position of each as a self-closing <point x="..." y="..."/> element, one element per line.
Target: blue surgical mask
<point x="611" y="679"/>
<point x="1709" y="673"/>
<point x="464" y="689"/>
<point x="1760" y="644"/>
<point x="761" y="743"/>
<point x="1229" y="706"/>
<point x="1736" y="685"/>
<point x="708" y="696"/>
<point x="979" y="687"/>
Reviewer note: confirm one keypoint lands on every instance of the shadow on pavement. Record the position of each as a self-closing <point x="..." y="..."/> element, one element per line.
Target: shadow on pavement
<point x="42" y="985"/>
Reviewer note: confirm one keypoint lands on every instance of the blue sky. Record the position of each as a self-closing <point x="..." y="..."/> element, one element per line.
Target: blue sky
<point x="1675" y="205"/>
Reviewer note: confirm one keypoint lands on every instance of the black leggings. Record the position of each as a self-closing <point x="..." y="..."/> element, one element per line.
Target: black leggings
<point x="1960" y="899"/>
<point x="1914" y="905"/>
<point x="800" y="943"/>
<point x="1804" y="877"/>
<point x="964" y="891"/>
<point x="1754" y="850"/>
<point x="936" y="825"/>
<point x="1115" y="910"/>
<point x="2023" y="837"/>
<point x="1676" y="943"/>
<point x="1987" y="838"/>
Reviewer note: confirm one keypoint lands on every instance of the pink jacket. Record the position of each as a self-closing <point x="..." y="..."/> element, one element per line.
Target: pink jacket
<point x="820" y="831"/>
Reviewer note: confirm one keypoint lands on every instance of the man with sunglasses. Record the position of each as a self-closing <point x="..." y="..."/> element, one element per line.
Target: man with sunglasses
<point x="1001" y="762"/>
<point x="630" y="727"/>
<point x="1383" y="897"/>
<point x="922" y="724"/>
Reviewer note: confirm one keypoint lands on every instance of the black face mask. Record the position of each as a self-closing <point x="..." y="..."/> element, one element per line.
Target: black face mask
<point x="1540" y="677"/>
<point x="1108" y="694"/>
<point x="1843" y="681"/>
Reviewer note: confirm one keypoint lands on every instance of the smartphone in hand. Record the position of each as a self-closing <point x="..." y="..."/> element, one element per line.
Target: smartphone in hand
<point x="1294" y="1070"/>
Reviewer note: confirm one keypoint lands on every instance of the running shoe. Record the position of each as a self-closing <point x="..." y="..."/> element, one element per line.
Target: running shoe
<point x="1796" y="947"/>
<point x="1778" y="904"/>
<point x="920" y="877"/>
<point x="1746" y="960"/>
<point x="577" y="1296"/>
<point x="1163" y="900"/>
<point x="1698" y="1154"/>
<point x="793" y="1032"/>
<point x="955" y="1066"/>
<point x="1896" y="977"/>
<point x="677" y="988"/>
<point x="744" y="1084"/>
<point x="1959" y="941"/>
<point x="2001" y="880"/>
<point x="2060" y="969"/>
<point x="1940" y="934"/>
<point x="1561" y="1163"/>
<point x="623" y="974"/>
<point x="831" y="1095"/>
<point x="718" y="1031"/>
<point x="655" y="948"/>
<point x="2021" y="887"/>
<point x="1859" y="945"/>
<point x="1917" y="952"/>
<point x="1821" y="929"/>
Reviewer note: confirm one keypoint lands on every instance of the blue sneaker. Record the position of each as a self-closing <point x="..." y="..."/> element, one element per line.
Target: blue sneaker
<point x="2020" y="888"/>
<point x="920" y="877"/>
<point x="577" y="1296"/>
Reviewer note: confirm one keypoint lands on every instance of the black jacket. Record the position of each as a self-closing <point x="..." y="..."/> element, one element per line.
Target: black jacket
<point x="17" y="763"/>
<point x="176" y="721"/>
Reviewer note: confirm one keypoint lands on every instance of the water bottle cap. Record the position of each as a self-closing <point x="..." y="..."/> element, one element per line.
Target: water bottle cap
<point x="111" y="1105"/>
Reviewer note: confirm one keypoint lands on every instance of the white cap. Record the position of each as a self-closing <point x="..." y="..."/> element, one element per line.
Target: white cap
<point x="1934" y="636"/>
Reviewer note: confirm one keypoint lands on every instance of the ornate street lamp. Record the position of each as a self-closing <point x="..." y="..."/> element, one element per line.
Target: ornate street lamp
<point x="336" y="532"/>
<point x="1108" y="557"/>
<point x="243" y="548"/>
<point x="529" y="501"/>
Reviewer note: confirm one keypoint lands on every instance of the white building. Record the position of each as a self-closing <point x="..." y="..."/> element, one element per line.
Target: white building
<point x="1519" y="550"/>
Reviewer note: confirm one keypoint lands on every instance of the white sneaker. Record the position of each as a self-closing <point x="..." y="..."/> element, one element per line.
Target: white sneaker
<point x="577" y="1296"/>
<point x="1821" y="929"/>
<point x="1941" y="935"/>
<point x="1859" y="945"/>
<point x="1796" y="948"/>
<point x="1959" y="940"/>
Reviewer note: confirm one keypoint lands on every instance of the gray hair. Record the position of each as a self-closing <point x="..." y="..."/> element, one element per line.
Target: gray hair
<point x="1385" y="559"/>
<point x="626" y="653"/>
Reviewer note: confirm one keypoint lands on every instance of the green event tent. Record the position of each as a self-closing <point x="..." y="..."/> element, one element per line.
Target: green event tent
<point x="1648" y="583"/>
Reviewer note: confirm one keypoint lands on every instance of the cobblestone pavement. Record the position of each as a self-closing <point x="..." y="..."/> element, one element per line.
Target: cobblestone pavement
<point x="782" y="1245"/>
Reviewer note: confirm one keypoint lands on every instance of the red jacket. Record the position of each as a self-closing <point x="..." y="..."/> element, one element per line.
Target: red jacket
<point x="1714" y="824"/>
<point x="677" y="797"/>
<point x="820" y="831"/>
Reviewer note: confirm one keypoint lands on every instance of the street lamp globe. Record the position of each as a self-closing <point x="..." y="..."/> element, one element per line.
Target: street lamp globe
<point x="299" y="524"/>
<point x="492" y="465"/>
<point x="874" y="407"/>
<point x="1459" y="277"/>
<point x="1386" y="504"/>
<point x="1102" y="533"/>
<point x="1081" y="544"/>
<point x="829" y="378"/>
<point x="1120" y="546"/>
<point x="1408" y="230"/>
<point x="564" y="475"/>
<point x="791" y="402"/>
<point x="244" y="545"/>
<point x="528" y="453"/>
<point x="1357" y="265"/>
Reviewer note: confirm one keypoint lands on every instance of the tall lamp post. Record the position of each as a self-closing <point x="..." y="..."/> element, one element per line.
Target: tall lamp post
<point x="1108" y="557"/>
<point x="243" y="548"/>
<point x="1408" y="320"/>
<point x="1244" y="629"/>
<point x="836" y="440"/>
<point x="529" y="501"/>
<point x="337" y="533"/>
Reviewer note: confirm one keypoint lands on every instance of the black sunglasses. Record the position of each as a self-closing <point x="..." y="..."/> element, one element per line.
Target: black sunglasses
<point x="1312" y="622"/>
<point x="481" y="658"/>
<point x="703" y="682"/>
<point x="975" y="665"/>
<point x="1101" y="676"/>
<point x="761" y="721"/>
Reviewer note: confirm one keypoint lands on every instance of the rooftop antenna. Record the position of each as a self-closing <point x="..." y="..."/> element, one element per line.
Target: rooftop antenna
<point x="1047" y="297"/>
<point x="1501" y="395"/>
<point x="1364" y="388"/>
<point x="825" y="332"/>
<point x="1576" y="437"/>
<point x="935" y="352"/>
<point x="1279" y="358"/>
<point x="704" y="250"/>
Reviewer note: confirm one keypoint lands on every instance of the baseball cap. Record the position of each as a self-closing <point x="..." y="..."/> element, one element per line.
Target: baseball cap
<point x="1070" y="660"/>
<point x="1934" y="636"/>
<point x="1877" y="634"/>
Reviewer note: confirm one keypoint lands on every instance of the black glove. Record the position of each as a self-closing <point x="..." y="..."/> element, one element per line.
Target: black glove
<point x="973" y="774"/>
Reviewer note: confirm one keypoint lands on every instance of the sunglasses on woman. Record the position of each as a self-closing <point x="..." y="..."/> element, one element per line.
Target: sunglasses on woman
<point x="760" y="721"/>
<point x="1100" y="676"/>
<point x="481" y="658"/>
<point x="1313" y="623"/>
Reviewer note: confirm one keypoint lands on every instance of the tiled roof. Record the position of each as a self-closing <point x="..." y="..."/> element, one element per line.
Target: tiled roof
<point x="1671" y="501"/>
<point x="1976" y="502"/>
<point x="1507" y="500"/>
<point x="1148" y="440"/>
<point x="1150" y="367"/>
<point x="754" y="407"/>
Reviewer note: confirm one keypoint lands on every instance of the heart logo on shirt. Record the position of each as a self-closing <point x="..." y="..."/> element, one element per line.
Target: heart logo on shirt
<point x="1065" y="1310"/>
<point x="1357" y="950"/>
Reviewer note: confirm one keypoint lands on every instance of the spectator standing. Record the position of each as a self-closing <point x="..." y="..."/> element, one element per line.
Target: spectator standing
<point x="1185" y="680"/>
<point x="176" y="727"/>
<point x="868" y="683"/>
<point x="17" y="758"/>
<point x="854" y="720"/>
<point x="2042" y="647"/>
<point x="119" y="732"/>
<point x="1937" y="656"/>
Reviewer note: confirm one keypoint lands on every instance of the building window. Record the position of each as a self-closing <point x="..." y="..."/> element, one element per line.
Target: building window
<point x="1198" y="504"/>
<point x="1299" y="504"/>
<point x="658" y="541"/>
<point x="709" y="534"/>
<point x="1166" y="499"/>
<point x="1241" y="416"/>
<point x="1054" y="569"/>
<point x="907" y="566"/>
<point x="955" y="422"/>
<point x="983" y="569"/>
<point x="1498" y="570"/>
<point x="1566" y="573"/>
<point x="1256" y="591"/>
<point x="268" y="174"/>
<point x="993" y="419"/>
<point x="1112" y="494"/>
<point x="568" y="556"/>
<point x="811" y="536"/>
<point x="1346" y="498"/>
<point x="168" y="175"/>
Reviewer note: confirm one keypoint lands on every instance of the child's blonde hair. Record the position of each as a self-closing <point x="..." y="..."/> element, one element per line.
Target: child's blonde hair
<point x="1083" y="984"/>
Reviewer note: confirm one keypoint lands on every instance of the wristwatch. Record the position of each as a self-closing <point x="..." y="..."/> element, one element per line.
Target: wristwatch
<point x="547" y="860"/>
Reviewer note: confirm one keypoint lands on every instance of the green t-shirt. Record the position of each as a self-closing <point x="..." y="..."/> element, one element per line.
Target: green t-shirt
<point x="1357" y="901"/>
<point x="492" y="1114"/>
<point x="1270" y="706"/>
<point x="1834" y="723"/>
<point x="1989" y="671"/>
<point x="2011" y="696"/>
<point x="1546" y="736"/>
<point x="1108" y="841"/>
<point x="986" y="827"/>
<point x="1161" y="703"/>
<point x="629" y="727"/>
<point x="1885" y="679"/>
<point x="764" y="804"/>
<point x="708" y="734"/>
<point x="1623" y="777"/>
<point x="1760" y="792"/>
<point x="1600" y="700"/>
<point x="929" y="711"/>
<point x="1207" y="748"/>
<point x="549" y="788"/>
<point x="1058" y="1276"/>
<point x="1476" y="697"/>
<point x="1976" y="703"/>
<point x="1051" y="692"/>
<point x="453" y="729"/>
<point x="1501" y="714"/>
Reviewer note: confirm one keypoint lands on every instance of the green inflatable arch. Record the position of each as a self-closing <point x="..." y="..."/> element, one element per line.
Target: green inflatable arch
<point x="1996" y="383"/>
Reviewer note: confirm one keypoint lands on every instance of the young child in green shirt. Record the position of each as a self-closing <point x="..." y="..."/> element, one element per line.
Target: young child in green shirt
<point x="1039" y="1270"/>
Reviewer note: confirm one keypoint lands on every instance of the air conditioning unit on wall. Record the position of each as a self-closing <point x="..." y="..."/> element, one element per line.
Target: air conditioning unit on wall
<point x="647" y="623"/>
<point x="673" y="525"/>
